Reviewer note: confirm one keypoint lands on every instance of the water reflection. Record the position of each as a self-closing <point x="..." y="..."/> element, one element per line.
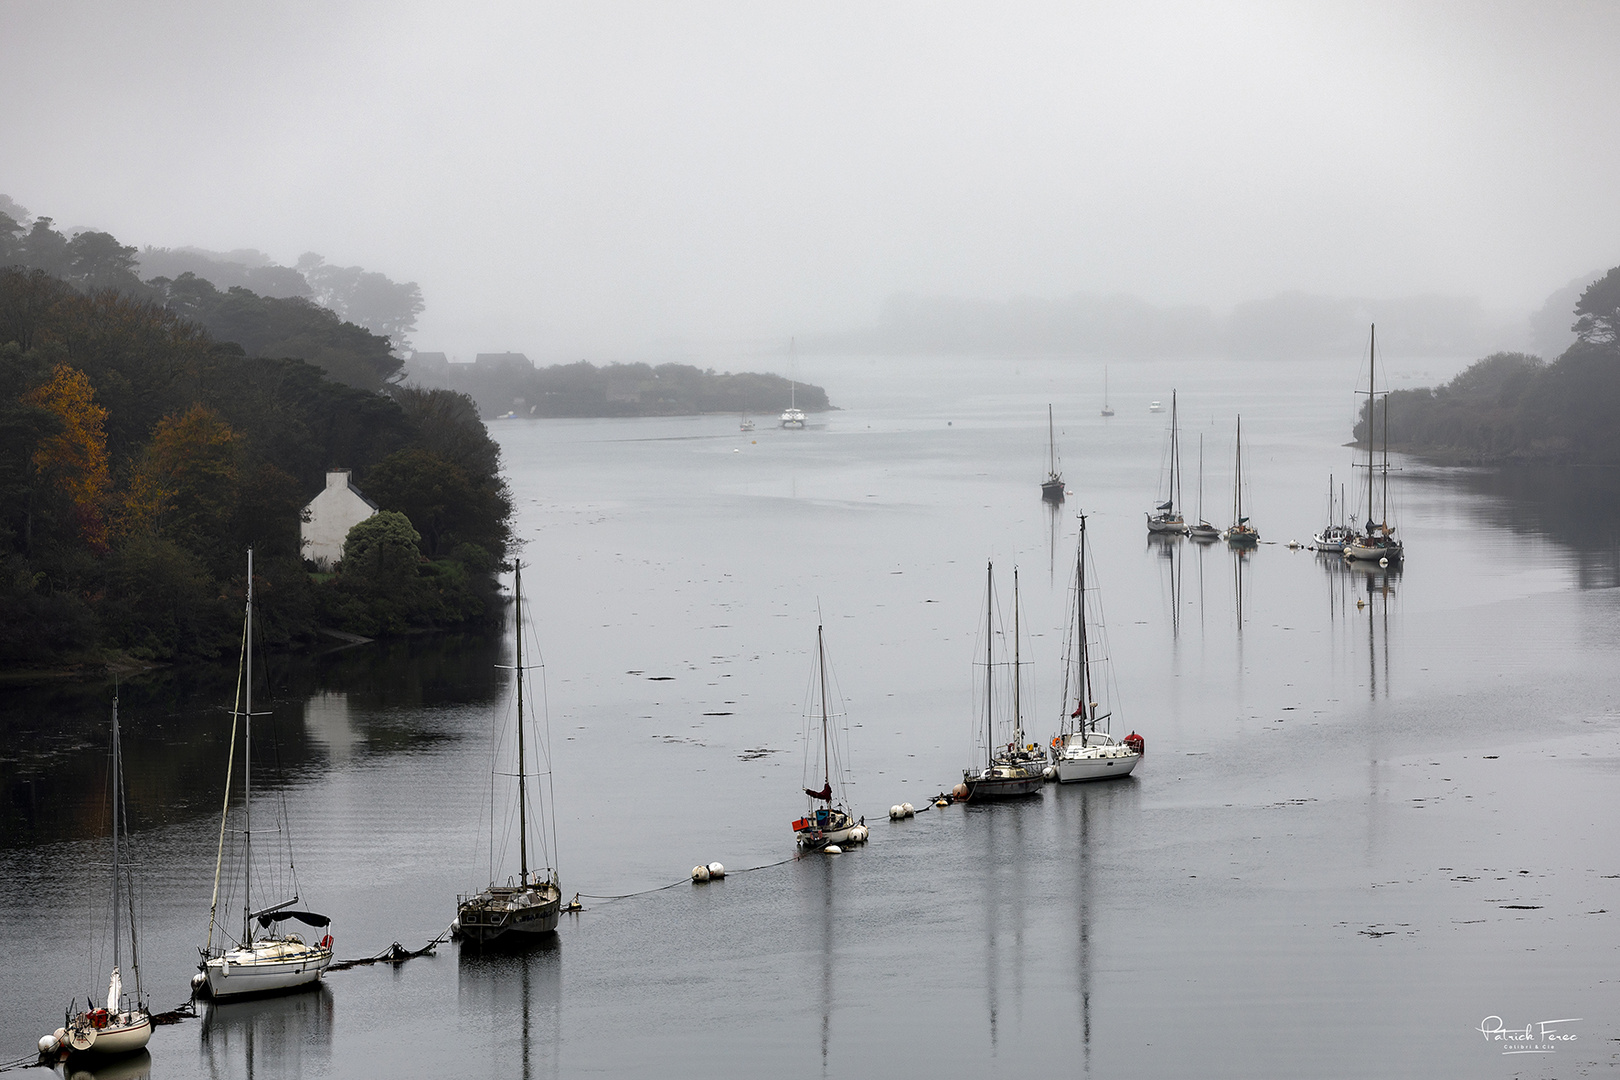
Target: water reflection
<point x="1364" y="591"/>
<point x="516" y="995"/>
<point x="134" y="1066"/>
<point x="997" y="833"/>
<point x="1577" y="508"/>
<point x="286" y="1035"/>
<point x="818" y="899"/>
<point x="1169" y="547"/>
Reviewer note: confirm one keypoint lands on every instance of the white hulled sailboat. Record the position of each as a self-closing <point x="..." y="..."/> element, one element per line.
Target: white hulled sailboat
<point x="1165" y="517"/>
<point x="829" y="819"/>
<point x="260" y="961"/>
<point x="1083" y="749"/>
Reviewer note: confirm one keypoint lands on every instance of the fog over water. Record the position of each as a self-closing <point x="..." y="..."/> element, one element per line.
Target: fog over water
<point x="654" y="181"/>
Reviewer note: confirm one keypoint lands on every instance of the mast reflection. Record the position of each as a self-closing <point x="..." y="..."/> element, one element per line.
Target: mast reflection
<point x="286" y="1035"/>
<point x="518" y="992"/>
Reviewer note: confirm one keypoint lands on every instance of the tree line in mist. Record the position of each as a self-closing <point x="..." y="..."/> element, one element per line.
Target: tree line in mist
<point x="140" y="456"/>
<point x="1516" y="408"/>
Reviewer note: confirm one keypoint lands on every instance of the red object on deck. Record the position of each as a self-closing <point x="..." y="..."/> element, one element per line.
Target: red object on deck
<point x="801" y="825"/>
<point x="1137" y="743"/>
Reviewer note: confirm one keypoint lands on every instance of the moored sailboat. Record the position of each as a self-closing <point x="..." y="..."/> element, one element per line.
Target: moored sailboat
<point x="1376" y="542"/>
<point x="123" y="1025"/>
<point x="1241" y="534"/>
<point x="829" y="820"/>
<point x="1083" y="749"/>
<point x="1165" y="517"/>
<point x="1335" y="534"/>
<point x="521" y="909"/>
<point x="1052" y="486"/>
<point x="793" y="416"/>
<point x="1013" y="768"/>
<point x="1107" y="409"/>
<point x="1203" y="531"/>
<point x="260" y="961"/>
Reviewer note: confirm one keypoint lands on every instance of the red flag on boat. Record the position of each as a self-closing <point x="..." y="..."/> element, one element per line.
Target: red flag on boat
<point x="825" y="793"/>
<point x="1078" y="709"/>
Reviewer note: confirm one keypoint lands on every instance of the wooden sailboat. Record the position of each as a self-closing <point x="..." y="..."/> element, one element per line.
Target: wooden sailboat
<point x="1013" y="768"/>
<point x="1203" y="530"/>
<point x="123" y="1025"/>
<point x="1241" y="534"/>
<point x="1165" y="518"/>
<point x="1052" y="486"/>
<point x="260" y="961"/>
<point x="1376" y="542"/>
<point x="1083" y="749"/>
<point x="829" y="819"/>
<point x="529" y="906"/>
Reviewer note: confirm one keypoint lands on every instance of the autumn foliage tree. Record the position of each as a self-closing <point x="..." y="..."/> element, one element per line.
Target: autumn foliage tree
<point x="73" y="459"/>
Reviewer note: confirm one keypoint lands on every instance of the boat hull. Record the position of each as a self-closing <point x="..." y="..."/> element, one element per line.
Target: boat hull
<point x="1356" y="551"/>
<point x="266" y="967"/>
<point x="1075" y="770"/>
<point x="124" y="1034"/>
<point x="1052" y="491"/>
<point x="1002" y="783"/>
<point x="1204" y="532"/>
<point x="509" y="914"/>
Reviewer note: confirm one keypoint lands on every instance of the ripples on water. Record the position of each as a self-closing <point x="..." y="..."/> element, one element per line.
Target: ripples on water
<point x="1374" y="809"/>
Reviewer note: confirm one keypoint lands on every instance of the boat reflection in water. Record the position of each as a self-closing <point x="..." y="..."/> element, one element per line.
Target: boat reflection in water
<point x="135" y="1066"/>
<point x="286" y="1035"/>
<point x="511" y="999"/>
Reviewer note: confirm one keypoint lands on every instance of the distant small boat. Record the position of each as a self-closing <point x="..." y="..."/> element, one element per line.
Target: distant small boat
<point x="1166" y="518"/>
<point x="1013" y="769"/>
<point x="1154" y="406"/>
<point x="793" y="416"/>
<point x="1241" y="534"/>
<point x="1107" y="409"/>
<point x="1083" y="749"/>
<point x="746" y="425"/>
<point x="1052" y="486"/>
<point x="1203" y="531"/>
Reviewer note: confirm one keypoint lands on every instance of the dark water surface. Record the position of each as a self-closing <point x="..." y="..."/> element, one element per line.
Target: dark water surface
<point x="1376" y="807"/>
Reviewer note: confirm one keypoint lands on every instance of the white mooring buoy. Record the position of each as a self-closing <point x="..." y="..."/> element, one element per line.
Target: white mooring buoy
<point x="833" y="849"/>
<point x="48" y="1044"/>
<point x="716" y="871"/>
<point x="700" y="873"/>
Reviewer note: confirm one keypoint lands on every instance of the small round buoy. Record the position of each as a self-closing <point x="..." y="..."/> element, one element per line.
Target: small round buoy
<point x="736" y="450"/>
<point x="61" y="1035"/>
<point x="1049" y="773"/>
<point x="198" y="981"/>
<point x="960" y="791"/>
<point x="1384" y="561"/>
<point x="716" y="871"/>
<point x="908" y="808"/>
<point x="48" y="1044"/>
<point x="941" y="802"/>
<point x="895" y="813"/>
<point x="833" y="849"/>
<point x="700" y="873"/>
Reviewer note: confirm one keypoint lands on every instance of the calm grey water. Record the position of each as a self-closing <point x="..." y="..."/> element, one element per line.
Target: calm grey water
<point x="1375" y="810"/>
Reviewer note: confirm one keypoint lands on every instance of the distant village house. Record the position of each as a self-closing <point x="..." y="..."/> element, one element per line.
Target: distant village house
<point x="329" y="517"/>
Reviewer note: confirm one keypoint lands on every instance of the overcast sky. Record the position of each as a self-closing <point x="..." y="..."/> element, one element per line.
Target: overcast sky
<point x="586" y="177"/>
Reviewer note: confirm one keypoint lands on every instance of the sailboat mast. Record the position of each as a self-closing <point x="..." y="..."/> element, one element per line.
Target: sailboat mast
<point x="1384" y="472"/>
<point x="989" y="660"/>
<point x="1237" y="477"/>
<point x="117" y="786"/>
<point x="1200" y="482"/>
<point x="1018" y="673"/>
<point x="1080" y="628"/>
<point x="1051" y="442"/>
<point x="826" y="742"/>
<point x="247" y="770"/>
<point x="523" y="784"/>
<point x="1372" y="342"/>
<point x="1174" y="495"/>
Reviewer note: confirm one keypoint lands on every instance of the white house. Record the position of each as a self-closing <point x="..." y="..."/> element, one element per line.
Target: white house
<point x="329" y="517"/>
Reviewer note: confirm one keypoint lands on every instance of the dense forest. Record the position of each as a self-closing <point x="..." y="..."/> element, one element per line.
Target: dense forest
<point x="140" y="455"/>
<point x="1520" y="409"/>
<point x="509" y="383"/>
